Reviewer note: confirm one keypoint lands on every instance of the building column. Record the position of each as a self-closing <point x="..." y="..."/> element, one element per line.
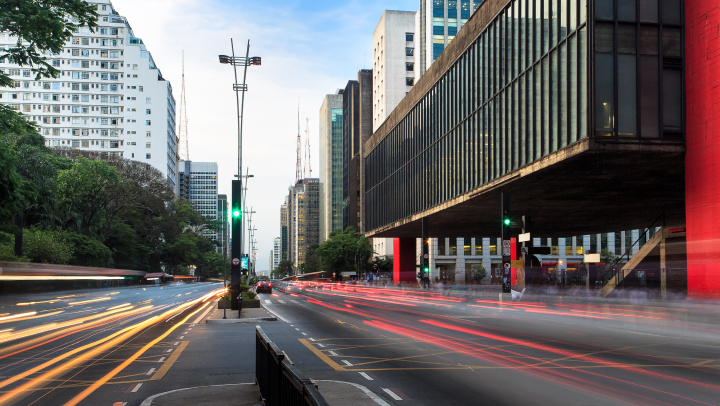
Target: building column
<point x="702" y="173"/>
<point x="404" y="259"/>
<point x="460" y="262"/>
<point x="434" y="273"/>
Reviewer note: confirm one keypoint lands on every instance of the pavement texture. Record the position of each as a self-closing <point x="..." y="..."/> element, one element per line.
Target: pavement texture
<point x="233" y="316"/>
<point x="232" y="394"/>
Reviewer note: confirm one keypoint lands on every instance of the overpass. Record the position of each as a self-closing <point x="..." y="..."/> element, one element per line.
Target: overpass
<point x="578" y="113"/>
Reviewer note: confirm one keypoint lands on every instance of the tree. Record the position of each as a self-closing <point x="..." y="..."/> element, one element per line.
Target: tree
<point x="46" y="247"/>
<point x="384" y="264"/>
<point x="345" y="251"/>
<point x="14" y="192"/>
<point x="284" y="268"/>
<point x="40" y="26"/>
<point x="478" y="272"/>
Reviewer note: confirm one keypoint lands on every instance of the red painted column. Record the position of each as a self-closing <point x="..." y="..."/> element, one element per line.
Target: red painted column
<point x="404" y="260"/>
<point x="702" y="160"/>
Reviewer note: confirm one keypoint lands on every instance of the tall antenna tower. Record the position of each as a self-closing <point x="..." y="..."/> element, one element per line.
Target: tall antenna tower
<point x="298" y="166"/>
<point x="184" y="152"/>
<point x="307" y="147"/>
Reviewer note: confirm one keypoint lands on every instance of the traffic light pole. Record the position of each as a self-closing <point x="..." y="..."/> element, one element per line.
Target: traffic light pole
<point x="425" y="252"/>
<point x="506" y="224"/>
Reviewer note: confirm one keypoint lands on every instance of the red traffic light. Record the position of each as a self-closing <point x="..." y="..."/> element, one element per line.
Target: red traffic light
<point x="256" y="60"/>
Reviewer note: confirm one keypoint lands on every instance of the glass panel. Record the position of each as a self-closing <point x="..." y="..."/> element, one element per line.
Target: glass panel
<point x="648" y="40"/>
<point x="672" y="99"/>
<point x="604" y="95"/>
<point x="546" y="106"/>
<point x="554" y="100"/>
<point x="478" y="246"/>
<point x="672" y="45"/>
<point x="553" y="22"/>
<point x="545" y="25"/>
<point x="671" y="11"/>
<point x="649" y="11"/>
<point x="627" y="99"/>
<point x="563" y="18"/>
<point x="538" y="30"/>
<point x="627" y="41"/>
<point x="626" y="10"/>
<point x="604" y="37"/>
<point x="603" y="9"/>
<point x="538" y="109"/>
<point x="563" y="95"/>
<point x="583" y="11"/>
<point x="573" y="135"/>
<point x="649" y="97"/>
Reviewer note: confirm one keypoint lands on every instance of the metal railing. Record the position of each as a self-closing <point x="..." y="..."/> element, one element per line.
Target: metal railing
<point x="280" y="383"/>
<point x="615" y="272"/>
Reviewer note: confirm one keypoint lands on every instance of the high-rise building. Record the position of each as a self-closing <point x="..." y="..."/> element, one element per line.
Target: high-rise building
<point x="437" y="23"/>
<point x="198" y="184"/>
<point x="331" y="164"/>
<point x="276" y="253"/>
<point x="109" y="98"/>
<point x="393" y="62"/>
<point x="223" y="217"/>
<point x="357" y="116"/>
<point x="303" y="219"/>
<point x="284" y="230"/>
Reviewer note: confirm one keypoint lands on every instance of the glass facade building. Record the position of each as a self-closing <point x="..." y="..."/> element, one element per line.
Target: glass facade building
<point x="538" y="77"/>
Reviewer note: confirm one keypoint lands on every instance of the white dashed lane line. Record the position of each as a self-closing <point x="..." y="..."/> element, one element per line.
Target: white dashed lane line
<point x="135" y="389"/>
<point x="281" y="301"/>
<point x="294" y="301"/>
<point x="366" y="376"/>
<point x="150" y="371"/>
<point x="268" y="301"/>
<point x="320" y="345"/>
<point x="392" y="394"/>
<point x="347" y="363"/>
<point x="304" y="334"/>
<point x="332" y="353"/>
<point x="161" y="359"/>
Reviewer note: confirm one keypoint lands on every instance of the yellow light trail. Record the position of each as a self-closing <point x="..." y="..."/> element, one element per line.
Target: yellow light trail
<point x="100" y="299"/>
<point x="32" y="303"/>
<point x="119" y="306"/>
<point x="16" y="316"/>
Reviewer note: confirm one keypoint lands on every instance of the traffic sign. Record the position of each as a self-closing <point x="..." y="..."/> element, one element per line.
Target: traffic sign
<point x="236" y="261"/>
<point x="427" y="256"/>
<point x="506" y="243"/>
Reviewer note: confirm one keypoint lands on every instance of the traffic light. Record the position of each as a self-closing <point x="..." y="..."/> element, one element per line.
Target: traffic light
<point x="255" y="60"/>
<point x="236" y="212"/>
<point x="506" y="220"/>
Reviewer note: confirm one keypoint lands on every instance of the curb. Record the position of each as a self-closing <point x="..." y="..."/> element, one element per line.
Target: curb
<point x="365" y="390"/>
<point x="233" y="321"/>
<point x="148" y="401"/>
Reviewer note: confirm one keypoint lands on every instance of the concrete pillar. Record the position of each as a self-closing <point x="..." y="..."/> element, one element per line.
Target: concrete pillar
<point x="663" y="269"/>
<point x="404" y="260"/>
<point x="460" y="271"/>
<point x="434" y="272"/>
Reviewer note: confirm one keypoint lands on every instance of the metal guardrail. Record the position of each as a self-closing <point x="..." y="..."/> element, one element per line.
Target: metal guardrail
<point x="280" y="383"/>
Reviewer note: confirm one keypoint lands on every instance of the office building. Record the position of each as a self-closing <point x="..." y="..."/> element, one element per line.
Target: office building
<point x="437" y="23"/>
<point x="357" y="128"/>
<point x="393" y="62"/>
<point x="198" y="185"/>
<point x="223" y="217"/>
<point x="110" y="96"/>
<point x="331" y="165"/>
<point x="276" y="253"/>
<point x="524" y="115"/>
<point x="284" y="230"/>
<point x="303" y="219"/>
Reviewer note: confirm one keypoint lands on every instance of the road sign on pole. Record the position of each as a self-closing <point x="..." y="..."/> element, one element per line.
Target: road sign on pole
<point x="506" y="222"/>
<point x="236" y="261"/>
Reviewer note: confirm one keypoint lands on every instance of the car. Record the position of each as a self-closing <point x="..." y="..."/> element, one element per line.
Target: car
<point x="263" y="287"/>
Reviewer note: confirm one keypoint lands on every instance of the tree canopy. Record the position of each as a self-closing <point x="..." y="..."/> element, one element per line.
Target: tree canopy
<point x="345" y="251"/>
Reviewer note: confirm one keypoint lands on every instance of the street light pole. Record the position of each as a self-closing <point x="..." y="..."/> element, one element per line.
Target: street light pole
<point x="225" y="265"/>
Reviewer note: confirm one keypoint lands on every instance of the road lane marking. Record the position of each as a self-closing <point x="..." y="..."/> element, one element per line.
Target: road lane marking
<point x="281" y="301"/>
<point x="136" y="387"/>
<point x="392" y="394"/>
<point x="366" y="376"/>
<point x="320" y="345"/>
<point x="297" y="329"/>
<point x="311" y="339"/>
<point x="294" y="301"/>
<point x="170" y="350"/>
<point x="150" y="371"/>
<point x="176" y="343"/>
<point x="119" y="403"/>
<point x="347" y="362"/>
<point x="161" y="359"/>
<point x="304" y="334"/>
<point x="203" y="315"/>
<point x="169" y="363"/>
<point x="332" y="353"/>
<point x="268" y="301"/>
<point x="181" y="337"/>
<point x="367" y="392"/>
<point x="334" y="365"/>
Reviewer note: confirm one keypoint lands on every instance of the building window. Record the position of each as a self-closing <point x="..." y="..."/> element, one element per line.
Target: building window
<point x="409" y="81"/>
<point x="148" y="134"/>
<point x="478" y="246"/>
<point x="409" y="66"/>
<point x="147" y="145"/>
<point x="409" y="51"/>
<point x="148" y="111"/>
<point x="409" y="37"/>
<point x="148" y="100"/>
<point x="148" y="122"/>
<point x="148" y="156"/>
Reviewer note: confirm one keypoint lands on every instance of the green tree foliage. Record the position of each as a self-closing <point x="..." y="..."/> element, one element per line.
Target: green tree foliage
<point x="345" y="251"/>
<point x="284" y="268"/>
<point x="14" y="192"/>
<point x="39" y="26"/>
<point x="46" y="246"/>
<point x="478" y="272"/>
<point x="382" y="264"/>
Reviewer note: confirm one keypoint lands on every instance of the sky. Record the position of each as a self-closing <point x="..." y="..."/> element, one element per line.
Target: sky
<point x="308" y="49"/>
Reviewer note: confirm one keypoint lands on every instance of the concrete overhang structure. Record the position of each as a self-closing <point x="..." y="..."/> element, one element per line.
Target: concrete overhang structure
<point x="593" y="178"/>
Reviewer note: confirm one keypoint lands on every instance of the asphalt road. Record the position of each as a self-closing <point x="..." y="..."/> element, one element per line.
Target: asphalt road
<point x="95" y="346"/>
<point x="435" y="349"/>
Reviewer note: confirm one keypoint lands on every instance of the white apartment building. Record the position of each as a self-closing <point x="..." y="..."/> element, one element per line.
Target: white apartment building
<point x="437" y="22"/>
<point x="110" y="97"/>
<point x="393" y="62"/>
<point x="276" y="254"/>
<point x="198" y="185"/>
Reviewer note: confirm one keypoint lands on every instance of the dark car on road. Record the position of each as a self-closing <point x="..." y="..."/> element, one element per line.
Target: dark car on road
<point x="264" y="287"/>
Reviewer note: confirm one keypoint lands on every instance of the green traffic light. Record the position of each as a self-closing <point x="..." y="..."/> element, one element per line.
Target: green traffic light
<point x="236" y="213"/>
<point x="507" y="222"/>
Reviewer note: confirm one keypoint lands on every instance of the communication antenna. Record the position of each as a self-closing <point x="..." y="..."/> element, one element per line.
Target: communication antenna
<point x="298" y="166"/>
<point x="184" y="152"/>
<point x="307" y="147"/>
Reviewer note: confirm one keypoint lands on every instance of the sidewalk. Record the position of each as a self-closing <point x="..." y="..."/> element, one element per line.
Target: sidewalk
<point x="336" y="393"/>
<point x="246" y="316"/>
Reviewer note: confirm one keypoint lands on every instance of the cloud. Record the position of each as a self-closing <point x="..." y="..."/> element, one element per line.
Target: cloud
<point x="308" y="49"/>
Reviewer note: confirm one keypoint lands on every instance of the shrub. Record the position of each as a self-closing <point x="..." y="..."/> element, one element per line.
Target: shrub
<point x="46" y="247"/>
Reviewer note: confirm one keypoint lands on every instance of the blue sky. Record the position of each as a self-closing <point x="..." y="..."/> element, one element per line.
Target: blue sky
<point x="308" y="49"/>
